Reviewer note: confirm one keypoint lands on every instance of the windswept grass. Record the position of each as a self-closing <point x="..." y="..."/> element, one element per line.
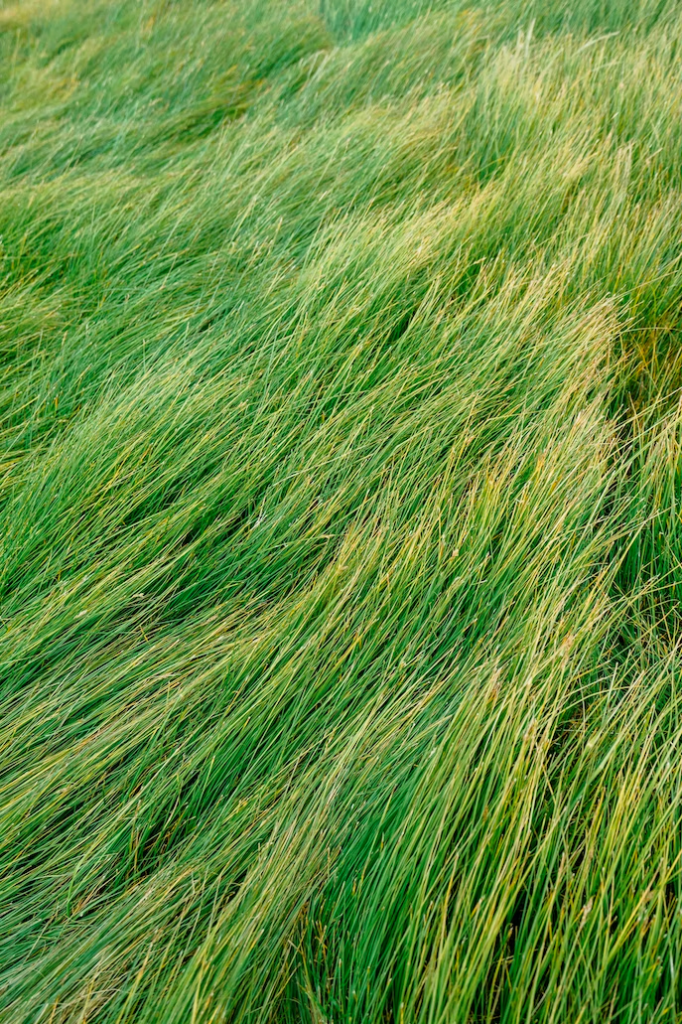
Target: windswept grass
<point x="340" y="512"/>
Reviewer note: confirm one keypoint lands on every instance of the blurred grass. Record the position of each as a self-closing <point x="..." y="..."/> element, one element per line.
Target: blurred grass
<point x="340" y="511"/>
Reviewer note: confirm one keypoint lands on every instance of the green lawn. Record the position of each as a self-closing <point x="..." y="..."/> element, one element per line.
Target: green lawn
<point x="341" y="512"/>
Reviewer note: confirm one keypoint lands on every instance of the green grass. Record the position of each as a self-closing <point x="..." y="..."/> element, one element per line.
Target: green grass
<point x="340" y="512"/>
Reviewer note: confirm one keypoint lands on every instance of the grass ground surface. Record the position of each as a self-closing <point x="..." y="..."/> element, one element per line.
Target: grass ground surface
<point x="340" y="512"/>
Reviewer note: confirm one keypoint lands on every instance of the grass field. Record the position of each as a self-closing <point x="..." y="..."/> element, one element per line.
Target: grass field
<point x="340" y="512"/>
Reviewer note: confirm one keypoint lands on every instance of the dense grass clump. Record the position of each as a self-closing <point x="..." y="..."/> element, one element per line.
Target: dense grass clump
<point x="340" y="511"/>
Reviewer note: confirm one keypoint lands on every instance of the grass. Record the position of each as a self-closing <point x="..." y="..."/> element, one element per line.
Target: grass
<point x="340" y="512"/>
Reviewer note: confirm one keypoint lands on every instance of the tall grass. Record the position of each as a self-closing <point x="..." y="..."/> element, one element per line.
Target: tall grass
<point x="340" y="511"/>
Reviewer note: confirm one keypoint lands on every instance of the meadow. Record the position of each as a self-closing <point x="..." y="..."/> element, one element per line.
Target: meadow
<point x="340" y="512"/>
